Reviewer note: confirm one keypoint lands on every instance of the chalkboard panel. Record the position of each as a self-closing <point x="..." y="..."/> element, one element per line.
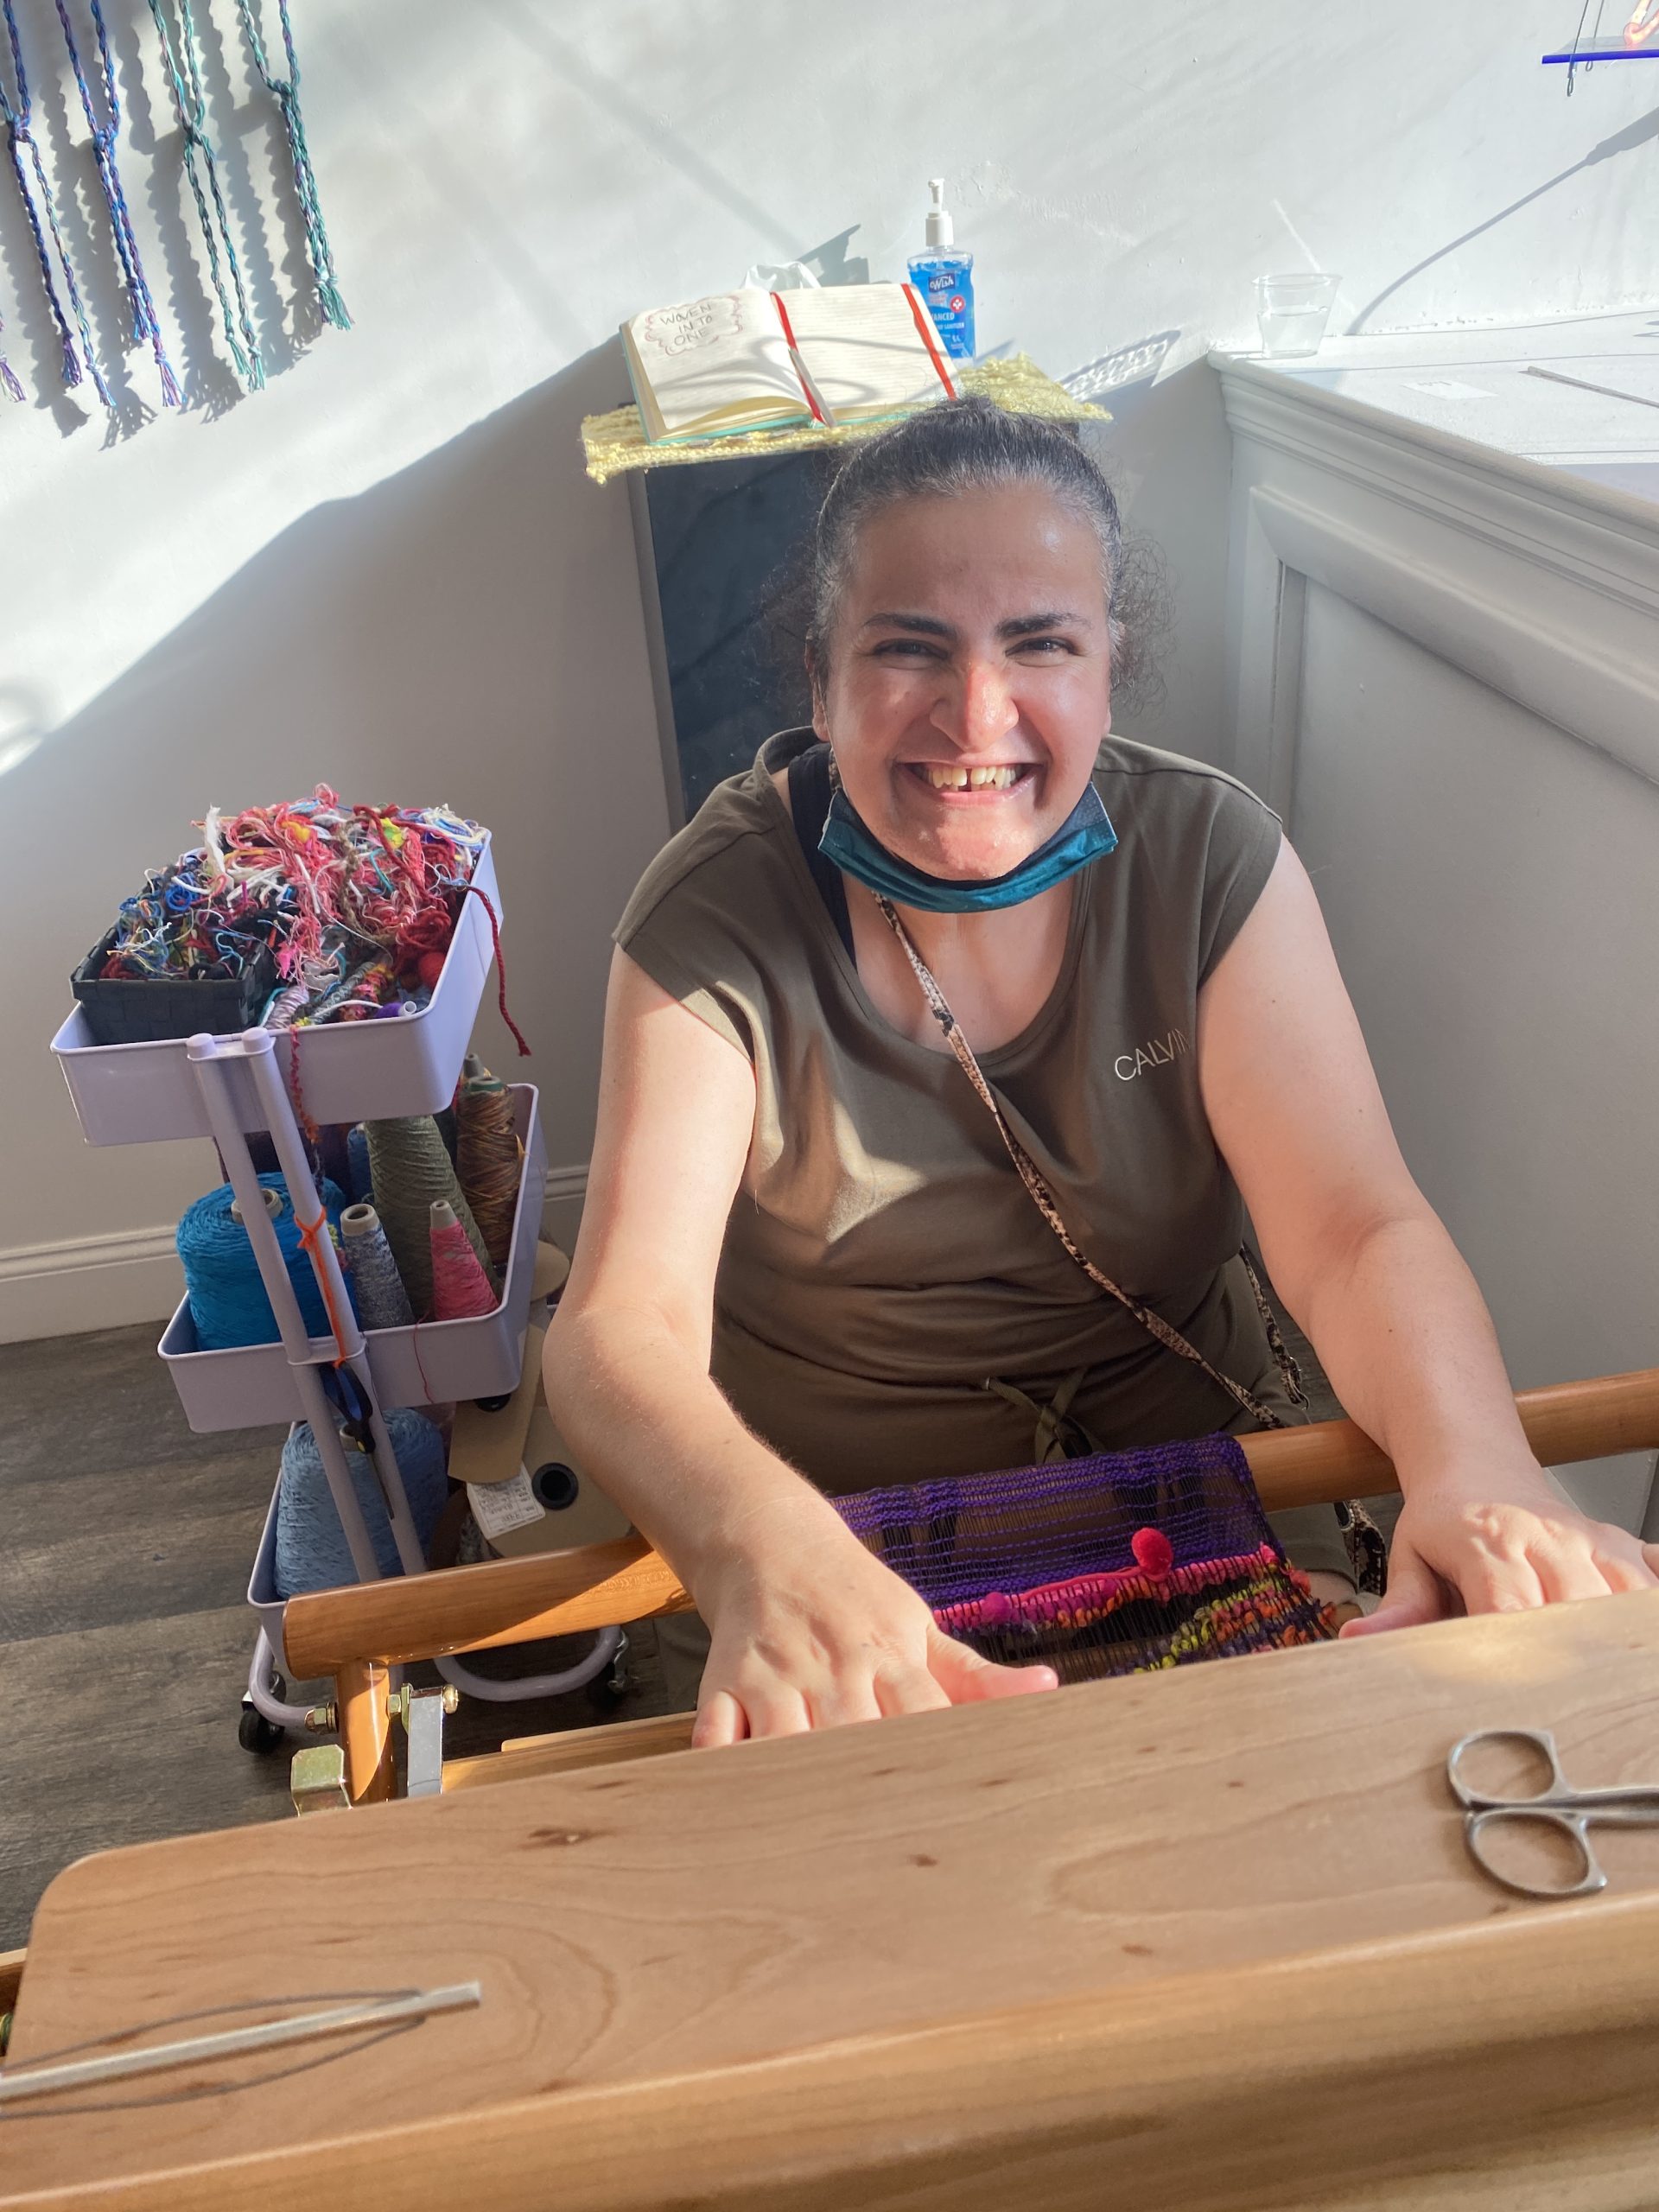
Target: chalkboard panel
<point x="716" y="542"/>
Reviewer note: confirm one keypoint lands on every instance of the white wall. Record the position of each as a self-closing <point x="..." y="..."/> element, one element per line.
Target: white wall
<point x="387" y="570"/>
<point x="1447" y="675"/>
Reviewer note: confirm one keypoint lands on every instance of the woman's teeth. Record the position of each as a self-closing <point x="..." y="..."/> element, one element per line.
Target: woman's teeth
<point x="975" y="779"/>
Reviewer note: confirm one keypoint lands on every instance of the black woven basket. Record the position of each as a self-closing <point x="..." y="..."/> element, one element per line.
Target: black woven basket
<point x="142" y="1009"/>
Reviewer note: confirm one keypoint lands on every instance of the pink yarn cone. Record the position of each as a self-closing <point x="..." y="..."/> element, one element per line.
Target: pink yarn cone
<point x="461" y="1289"/>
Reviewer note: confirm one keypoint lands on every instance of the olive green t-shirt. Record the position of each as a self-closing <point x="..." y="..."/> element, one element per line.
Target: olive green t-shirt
<point x="882" y="1260"/>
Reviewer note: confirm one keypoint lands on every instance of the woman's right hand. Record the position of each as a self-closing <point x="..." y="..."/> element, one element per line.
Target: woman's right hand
<point x="807" y="1630"/>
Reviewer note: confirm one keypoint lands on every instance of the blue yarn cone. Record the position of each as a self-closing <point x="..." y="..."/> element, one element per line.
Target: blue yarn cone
<point x="357" y="1156"/>
<point x="312" y="1553"/>
<point x="228" y="1299"/>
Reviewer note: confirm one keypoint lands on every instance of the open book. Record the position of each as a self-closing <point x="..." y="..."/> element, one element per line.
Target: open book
<point x="755" y="361"/>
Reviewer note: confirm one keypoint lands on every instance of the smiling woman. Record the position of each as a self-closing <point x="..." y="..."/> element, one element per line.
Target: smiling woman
<point x="806" y="1251"/>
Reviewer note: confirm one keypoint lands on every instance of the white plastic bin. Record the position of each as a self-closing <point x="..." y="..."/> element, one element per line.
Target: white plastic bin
<point x="348" y="1072"/>
<point x="262" y="1583"/>
<point x="432" y="1364"/>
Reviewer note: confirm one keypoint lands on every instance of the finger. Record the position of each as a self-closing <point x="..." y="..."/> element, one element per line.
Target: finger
<point x="909" y="1689"/>
<point x="1566" y="1570"/>
<point x="1624" y="1572"/>
<point x="967" y="1679"/>
<point x="1492" y="1584"/>
<point x="843" y="1699"/>
<point x="1415" y="1594"/>
<point x="720" y="1720"/>
<point x="774" y="1708"/>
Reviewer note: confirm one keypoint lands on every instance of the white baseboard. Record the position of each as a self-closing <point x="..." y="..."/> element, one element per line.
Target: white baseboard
<point x="562" y="1208"/>
<point x="88" y="1282"/>
<point x="105" y="1282"/>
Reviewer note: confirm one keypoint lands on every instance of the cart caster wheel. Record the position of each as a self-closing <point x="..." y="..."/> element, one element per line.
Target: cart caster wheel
<point x="255" y="1733"/>
<point x="618" y="1681"/>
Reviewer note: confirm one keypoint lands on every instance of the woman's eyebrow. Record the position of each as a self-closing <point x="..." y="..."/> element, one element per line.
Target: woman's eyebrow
<point x="1026" y="625"/>
<point x="1017" y="626"/>
<point x="927" y="626"/>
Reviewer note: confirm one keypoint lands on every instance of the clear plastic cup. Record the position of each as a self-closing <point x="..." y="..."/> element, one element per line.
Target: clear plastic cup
<point x="1292" y="312"/>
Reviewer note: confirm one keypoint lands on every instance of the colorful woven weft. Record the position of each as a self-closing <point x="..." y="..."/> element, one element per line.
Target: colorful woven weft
<point x="1113" y="1565"/>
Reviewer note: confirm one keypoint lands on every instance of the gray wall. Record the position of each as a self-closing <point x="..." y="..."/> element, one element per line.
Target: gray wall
<point x="388" y="571"/>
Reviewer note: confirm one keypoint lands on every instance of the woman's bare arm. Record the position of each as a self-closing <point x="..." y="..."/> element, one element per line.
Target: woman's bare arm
<point x="808" y="1628"/>
<point x="1364" y="1265"/>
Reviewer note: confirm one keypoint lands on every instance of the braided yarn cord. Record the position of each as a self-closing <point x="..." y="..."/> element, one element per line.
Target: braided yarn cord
<point x="17" y="109"/>
<point x="285" y="91"/>
<point x="190" y="106"/>
<point x="146" y="325"/>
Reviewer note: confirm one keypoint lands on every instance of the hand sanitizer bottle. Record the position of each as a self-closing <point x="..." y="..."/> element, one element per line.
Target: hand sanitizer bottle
<point x="945" y="277"/>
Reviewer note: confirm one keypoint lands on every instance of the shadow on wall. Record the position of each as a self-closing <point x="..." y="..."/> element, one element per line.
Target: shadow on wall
<point x="1639" y="133"/>
<point x="467" y="631"/>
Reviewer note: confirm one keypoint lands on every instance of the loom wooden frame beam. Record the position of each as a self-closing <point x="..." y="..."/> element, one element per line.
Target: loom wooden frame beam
<point x="562" y="1593"/>
<point x="1231" y="2089"/>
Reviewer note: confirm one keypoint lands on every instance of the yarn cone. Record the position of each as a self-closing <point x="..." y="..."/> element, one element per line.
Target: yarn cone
<point x="461" y="1288"/>
<point x="382" y="1301"/>
<point x="411" y="1169"/>
<point x="487" y="1154"/>
<point x="357" y="1155"/>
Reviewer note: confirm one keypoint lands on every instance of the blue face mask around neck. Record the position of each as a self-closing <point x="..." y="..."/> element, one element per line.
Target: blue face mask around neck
<point x="1085" y="835"/>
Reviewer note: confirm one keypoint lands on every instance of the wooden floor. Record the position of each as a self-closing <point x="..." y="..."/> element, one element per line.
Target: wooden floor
<point x="125" y="1547"/>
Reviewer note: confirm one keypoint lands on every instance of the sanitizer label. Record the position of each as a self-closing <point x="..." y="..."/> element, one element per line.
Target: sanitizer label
<point x="947" y="290"/>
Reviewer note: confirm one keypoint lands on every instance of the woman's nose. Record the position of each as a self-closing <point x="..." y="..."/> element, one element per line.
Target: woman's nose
<point x="982" y="709"/>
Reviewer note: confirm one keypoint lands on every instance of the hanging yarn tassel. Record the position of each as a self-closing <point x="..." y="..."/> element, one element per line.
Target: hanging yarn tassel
<point x="461" y="1288"/>
<point x="16" y="108"/>
<point x="312" y="1553"/>
<point x="228" y="1299"/>
<point x="488" y="1155"/>
<point x="146" y="324"/>
<point x="357" y="1162"/>
<point x="382" y="1301"/>
<point x="190" y="106"/>
<point x="411" y="1169"/>
<point x="285" y="91"/>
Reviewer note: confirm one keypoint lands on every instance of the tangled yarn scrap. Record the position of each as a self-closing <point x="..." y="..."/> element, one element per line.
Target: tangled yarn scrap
<point x="357" y="905"/>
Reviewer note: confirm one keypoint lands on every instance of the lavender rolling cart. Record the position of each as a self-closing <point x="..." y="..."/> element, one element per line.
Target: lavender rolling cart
<point x="226" y="1086"/>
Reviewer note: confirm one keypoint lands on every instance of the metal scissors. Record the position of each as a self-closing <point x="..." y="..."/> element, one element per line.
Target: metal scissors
<point x="1571" y="1813"/>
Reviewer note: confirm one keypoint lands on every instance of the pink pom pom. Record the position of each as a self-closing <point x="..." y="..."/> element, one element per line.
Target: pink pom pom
<point x="1152" y="1554"/>
<point x="996" y="1609"/>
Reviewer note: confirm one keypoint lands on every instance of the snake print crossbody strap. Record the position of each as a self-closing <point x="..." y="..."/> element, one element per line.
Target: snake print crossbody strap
<point x="1032" y="1176"/>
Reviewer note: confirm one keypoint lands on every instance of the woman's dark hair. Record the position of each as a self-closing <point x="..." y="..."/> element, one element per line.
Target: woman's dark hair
<point x="972" y="445"/>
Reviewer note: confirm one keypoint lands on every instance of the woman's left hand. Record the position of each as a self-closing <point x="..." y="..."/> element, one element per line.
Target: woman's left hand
<point x="1500" y="1547"/>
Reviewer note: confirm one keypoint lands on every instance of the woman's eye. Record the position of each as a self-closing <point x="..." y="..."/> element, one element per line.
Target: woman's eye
<point x="1045" y="646"/>
<point x="905" y="649"/>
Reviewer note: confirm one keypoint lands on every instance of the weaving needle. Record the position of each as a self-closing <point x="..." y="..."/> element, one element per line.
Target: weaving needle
<point x="17" y="2082"/>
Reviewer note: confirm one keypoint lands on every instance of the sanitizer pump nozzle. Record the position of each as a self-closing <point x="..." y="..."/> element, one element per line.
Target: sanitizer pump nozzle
<point x="940" y="229"/>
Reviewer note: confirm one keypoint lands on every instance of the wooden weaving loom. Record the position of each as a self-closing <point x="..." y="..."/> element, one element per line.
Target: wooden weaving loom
<point x="1208" y="1937"/>
<point x="357" y="1634"/>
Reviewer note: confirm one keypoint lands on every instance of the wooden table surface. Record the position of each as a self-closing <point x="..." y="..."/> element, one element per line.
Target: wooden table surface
<point x="660" y="1927"/>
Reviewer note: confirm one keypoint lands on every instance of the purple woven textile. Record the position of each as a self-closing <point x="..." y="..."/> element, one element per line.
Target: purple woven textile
<point x="1116" y="1565"/>
<point x="957" y="1538"/>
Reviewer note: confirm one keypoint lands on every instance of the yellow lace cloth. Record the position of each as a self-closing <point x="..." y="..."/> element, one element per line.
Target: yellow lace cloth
<point x="616" y="442"/>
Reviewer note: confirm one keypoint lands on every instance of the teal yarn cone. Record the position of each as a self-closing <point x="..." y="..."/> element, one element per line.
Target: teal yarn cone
<point x="411" y="1169"/>
<point x="229" y="1302"/>
<point x="382" y="1301"/>
<point x="312" y="1553"/>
